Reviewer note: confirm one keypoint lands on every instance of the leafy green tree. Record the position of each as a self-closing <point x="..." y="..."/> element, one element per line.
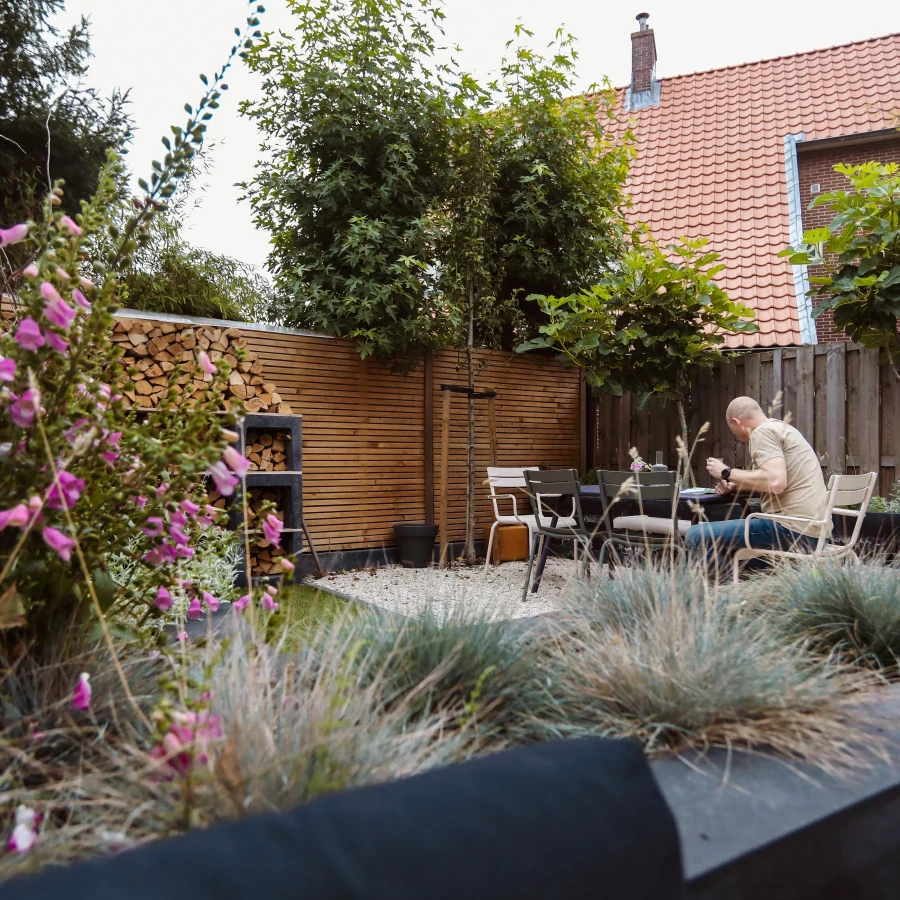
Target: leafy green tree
<point x="649" y="324"/>
<point x="561" y="171"/>
<point x="356" y="119"/>
<point x="41" y="70"/>
<point x="411" y="208"/>
<point x="860" y="252"/>
<point x="168" y="274"/>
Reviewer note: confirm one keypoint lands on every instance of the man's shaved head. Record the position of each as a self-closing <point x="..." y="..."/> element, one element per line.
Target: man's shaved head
<point x="744" y="408"/>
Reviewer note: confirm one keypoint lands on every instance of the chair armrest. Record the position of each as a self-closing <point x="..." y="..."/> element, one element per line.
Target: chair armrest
<point x="780" y="519"/>
<point x="496" y="497"/>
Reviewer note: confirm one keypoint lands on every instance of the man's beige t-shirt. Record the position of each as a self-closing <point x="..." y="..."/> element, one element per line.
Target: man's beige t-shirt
<point x="805" y="492"/>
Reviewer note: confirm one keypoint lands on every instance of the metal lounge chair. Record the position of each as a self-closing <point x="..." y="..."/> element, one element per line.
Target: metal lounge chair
<point x="843" y="491"/>
<point x="558" y="485"/>
<point x="641" y="530"/>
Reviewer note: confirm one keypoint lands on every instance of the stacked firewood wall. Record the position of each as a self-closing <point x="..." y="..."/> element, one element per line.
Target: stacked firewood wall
<point x="155" y="348"/>
<point x="269" y="452"/>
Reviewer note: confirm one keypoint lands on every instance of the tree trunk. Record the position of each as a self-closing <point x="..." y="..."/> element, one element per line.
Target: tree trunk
<point x="686" y="473"/>
<point x="469" y="551"/>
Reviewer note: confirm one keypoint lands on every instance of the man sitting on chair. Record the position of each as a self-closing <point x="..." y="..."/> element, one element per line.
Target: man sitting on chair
<point x="784" y="470"/>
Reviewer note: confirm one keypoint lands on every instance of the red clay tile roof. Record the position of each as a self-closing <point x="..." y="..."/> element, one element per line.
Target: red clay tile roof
<point x="710" y="160"/>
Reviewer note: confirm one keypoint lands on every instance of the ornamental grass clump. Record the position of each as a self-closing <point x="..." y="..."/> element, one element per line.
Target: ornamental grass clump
<point x="660" y="655"/>
<point x="237" y="729"/>
<point x="477" y="669"/>
<point x="846" y="613"/>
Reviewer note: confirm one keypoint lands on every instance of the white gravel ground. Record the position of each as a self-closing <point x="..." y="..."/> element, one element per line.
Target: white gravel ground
<point x="496" y="596"/>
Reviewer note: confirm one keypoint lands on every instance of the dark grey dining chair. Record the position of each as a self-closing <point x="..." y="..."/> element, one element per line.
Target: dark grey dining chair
<point x="549" y="491"/>
<point x="641" y="530"/>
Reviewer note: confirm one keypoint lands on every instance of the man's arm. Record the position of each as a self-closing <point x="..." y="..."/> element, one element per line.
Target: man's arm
<point x="769" y="478"/>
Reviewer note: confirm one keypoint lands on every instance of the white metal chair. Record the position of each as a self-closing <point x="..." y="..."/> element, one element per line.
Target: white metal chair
<point x="843" y="490"/>
<point x="501" y="481"/>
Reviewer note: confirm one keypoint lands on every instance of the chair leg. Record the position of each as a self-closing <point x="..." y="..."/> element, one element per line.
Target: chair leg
<point x="530" y="566"/>
<point x="586" y="563"/>
<point x="487" y="560"/>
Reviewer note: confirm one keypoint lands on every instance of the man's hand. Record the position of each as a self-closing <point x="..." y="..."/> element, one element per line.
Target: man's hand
<point x="715" y="467"/>
<point x="725" y="487"/>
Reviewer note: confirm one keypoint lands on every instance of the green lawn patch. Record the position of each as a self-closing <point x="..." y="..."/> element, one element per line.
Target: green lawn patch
<point x="307" y="609"/>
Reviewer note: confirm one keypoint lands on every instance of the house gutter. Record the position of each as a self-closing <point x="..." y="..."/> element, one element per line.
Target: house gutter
<point x="795" y="230"/>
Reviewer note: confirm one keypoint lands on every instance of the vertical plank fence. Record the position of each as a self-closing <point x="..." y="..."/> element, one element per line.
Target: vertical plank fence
<point x="845" y="403"/>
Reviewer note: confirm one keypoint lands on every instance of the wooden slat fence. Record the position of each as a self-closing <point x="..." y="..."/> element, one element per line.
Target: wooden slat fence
<point x="840" y="398"/>
<point x="365" y="463"/>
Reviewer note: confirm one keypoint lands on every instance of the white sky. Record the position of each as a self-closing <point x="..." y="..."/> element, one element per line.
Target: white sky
<point x="158" y="48"/>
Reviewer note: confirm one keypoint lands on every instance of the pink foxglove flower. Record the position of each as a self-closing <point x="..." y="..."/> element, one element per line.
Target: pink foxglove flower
<point x="57" y="311"/>
<point x="17" y="517"/>
<point x="71" y="491"/>
<point x="163" y="600"/>
<point x="70" y="225"/>
<point x="236" y="462"/>
<point x="14" y="235"/>
<point x="81" y="300"/>
<point x="7" y="369"/>
<point x="225" y="482"/>
<point x="181" y="637"/>
<point x="31" y="271"/>
<point x="81" y="696"/>
<point x="56" y="342"/>
<point x="63" y="274"/>
<point x="178" y="518"/>
<point x="212" y="603"/>
<point x="272" y="526"/>
<point x="269" y="603"/>
<point x="24" y="833"/>
<point x="185" y="552"/>
<point x="59" y="542"/>
<point x="286" y="564"/>
<point x="110" y="457"/>
<point x="178" y="536"/>
<point x="153" y="527"/>
<point x="49" y="292"/>
<point x="241" y="604"/>
<point x="140" y="502"/>
<point x="113" y="438"/>
<point x="86" y="283"/>
<point x="189" y="507"/>
<point x="25" y="408"/>
<point x="28" y="335"/>
<point x="35" y="503"/>
<point x="207" y="364"/>
<point x="195" y="610"/>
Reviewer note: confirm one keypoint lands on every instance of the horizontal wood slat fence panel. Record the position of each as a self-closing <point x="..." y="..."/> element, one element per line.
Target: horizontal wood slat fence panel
<point x="537" y="420"/>
<point x="364" y="432"/>
<point x="838" y="395"/>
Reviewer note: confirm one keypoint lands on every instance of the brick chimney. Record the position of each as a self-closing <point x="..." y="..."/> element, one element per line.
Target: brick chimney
<point x="644" y="88"/>
<point x="643" y="56"/>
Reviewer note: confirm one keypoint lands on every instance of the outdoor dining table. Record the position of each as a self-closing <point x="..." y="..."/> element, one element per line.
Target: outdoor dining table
<point x="714" y="507"/>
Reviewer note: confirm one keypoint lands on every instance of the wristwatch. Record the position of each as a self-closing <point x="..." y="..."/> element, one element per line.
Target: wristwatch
<point x="726" y="474"/>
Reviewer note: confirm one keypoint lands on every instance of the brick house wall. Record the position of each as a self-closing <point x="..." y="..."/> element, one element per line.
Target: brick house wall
<point x="817" y="167"/>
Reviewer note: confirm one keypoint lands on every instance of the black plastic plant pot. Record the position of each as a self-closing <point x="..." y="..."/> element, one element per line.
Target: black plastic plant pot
<point x="415" y="544"/>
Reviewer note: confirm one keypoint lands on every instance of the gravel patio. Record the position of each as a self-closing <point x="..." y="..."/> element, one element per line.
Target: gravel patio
<point x="498" y="595"/>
